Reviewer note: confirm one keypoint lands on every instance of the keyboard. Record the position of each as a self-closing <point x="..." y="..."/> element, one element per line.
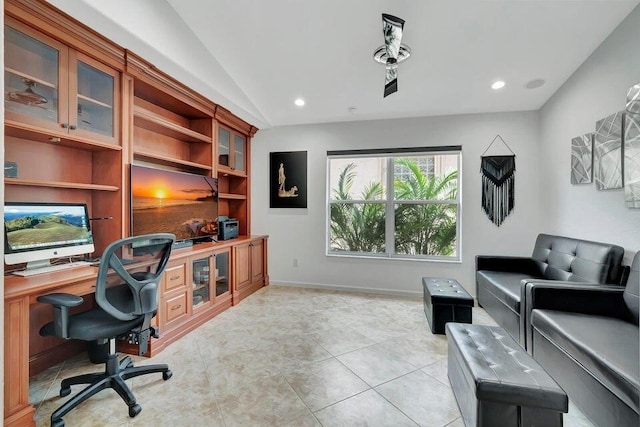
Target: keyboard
<point x="51" y="268"/>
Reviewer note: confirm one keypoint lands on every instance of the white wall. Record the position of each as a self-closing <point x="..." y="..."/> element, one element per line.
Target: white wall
<point x="301" y="233"/>
<point x="598" y="88"/>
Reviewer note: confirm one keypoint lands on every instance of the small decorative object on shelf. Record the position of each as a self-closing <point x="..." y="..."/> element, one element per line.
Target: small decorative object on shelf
<point x="10" y="169"/>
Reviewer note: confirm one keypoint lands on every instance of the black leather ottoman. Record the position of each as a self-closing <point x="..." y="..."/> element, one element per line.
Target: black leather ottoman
<point x="445" y="300"/>
<point x="497" y="383"/>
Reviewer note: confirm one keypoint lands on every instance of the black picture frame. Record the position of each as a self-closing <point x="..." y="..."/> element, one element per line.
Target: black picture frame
<point x="288" y="179"/>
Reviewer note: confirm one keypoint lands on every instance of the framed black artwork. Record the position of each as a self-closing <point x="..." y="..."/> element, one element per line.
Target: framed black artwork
<point x="288" y="179"/>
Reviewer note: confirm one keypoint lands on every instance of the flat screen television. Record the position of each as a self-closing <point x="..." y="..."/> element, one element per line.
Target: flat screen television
<point x="35" y="233"/>
<point x="184" y="204"/>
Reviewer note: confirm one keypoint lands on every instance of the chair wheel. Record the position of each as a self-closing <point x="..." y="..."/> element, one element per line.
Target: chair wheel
<point x="167" y="375"/>
<point x="57" y="423"/>
<point x="64" y="391"/>
<point x="134" y="410"/>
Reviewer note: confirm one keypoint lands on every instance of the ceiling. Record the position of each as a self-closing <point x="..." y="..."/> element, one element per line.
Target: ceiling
<point x="278" y="50"/>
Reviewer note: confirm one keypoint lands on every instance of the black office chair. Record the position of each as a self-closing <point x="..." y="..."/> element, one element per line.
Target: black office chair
<point x="124" y="311"/>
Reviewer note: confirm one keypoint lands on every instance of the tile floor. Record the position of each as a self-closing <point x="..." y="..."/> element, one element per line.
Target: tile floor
<point x="287" y="356"/>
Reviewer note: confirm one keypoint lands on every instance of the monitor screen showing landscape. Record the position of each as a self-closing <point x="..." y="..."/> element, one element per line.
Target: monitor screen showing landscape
<point x="31" y="228"/>
<point x="180" y="203"/>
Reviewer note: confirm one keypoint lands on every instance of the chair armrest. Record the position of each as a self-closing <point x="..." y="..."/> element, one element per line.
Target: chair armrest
<point x="577" y="297"/>
<point x="505" y="263"/>
<point x="61" y="304"/>
<point x="58" y="299"/>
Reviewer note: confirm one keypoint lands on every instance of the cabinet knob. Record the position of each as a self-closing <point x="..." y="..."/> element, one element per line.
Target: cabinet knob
<point x="177" y="307"/>
<point x="73" y="127"/>
<point x="64" y="125"/>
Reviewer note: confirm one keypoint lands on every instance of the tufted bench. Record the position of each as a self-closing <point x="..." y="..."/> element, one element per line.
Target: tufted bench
<point x="497" y="383"/>
<point x="445" y="300"/>
<point x="501" y="280"/>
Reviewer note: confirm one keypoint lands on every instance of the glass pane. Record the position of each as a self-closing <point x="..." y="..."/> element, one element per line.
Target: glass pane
<point x="222" y="273"/>
<point x="433" y="177"/>
<point x="31" y="76"/>
<point x="200" y="282"/>
<point x="358" y="178"/>
<point x="238" y="148"/>
<point x="95" y="100"/>
<point x="224" y="141"/>
<point x="358" y="227"/>
<point x="425" y="229"/>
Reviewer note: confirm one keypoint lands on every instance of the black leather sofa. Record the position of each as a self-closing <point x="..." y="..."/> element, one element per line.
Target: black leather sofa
<point x="587" y="339"/>
<point x="500" y="280"/>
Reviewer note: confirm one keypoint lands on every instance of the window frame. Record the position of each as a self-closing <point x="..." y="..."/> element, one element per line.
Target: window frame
<point x="390" y="202"/>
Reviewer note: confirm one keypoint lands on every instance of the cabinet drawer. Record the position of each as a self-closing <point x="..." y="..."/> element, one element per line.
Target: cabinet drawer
<point x="175" y="307"/>
<point x="174" y="277"/>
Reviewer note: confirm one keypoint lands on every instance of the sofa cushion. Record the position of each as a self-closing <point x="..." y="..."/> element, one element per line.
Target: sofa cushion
<point x="504" y="285"/>
<point x="632" y="290"/>
<point x="608" y="348"/>
<point x="564" y="258"/>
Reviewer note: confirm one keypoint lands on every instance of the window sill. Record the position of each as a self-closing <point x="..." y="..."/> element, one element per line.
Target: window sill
<point x="396" y="258"/>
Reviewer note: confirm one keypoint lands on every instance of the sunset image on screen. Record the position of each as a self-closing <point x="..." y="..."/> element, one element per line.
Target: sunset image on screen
<point x="180" y="203"/>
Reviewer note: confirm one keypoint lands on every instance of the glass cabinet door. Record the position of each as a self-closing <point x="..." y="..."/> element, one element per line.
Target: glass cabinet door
<point x="32" y="89"/>
<point x="222" y="273"/>
<point x="201" y="281"/>
<point x="239" y="144"/>
<point x="224" y="145"/>
<point x="94" y="100"/>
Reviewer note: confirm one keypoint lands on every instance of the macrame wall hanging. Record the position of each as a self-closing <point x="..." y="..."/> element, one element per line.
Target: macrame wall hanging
<point x="498" y="183"/>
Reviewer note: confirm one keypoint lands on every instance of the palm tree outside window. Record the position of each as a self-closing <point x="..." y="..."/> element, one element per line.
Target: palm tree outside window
<point x="413" y="212"/>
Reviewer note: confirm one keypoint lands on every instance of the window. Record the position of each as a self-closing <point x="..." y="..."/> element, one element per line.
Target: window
<point x="412" y="212"/>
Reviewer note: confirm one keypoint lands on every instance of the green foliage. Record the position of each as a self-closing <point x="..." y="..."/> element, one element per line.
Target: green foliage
<point x="357" y="227"/>
<point x="425" y="229"/>
<point x="420" y="229"/>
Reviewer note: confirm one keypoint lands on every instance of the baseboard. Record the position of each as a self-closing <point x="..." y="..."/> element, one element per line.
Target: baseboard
<point x="394" y="292"/>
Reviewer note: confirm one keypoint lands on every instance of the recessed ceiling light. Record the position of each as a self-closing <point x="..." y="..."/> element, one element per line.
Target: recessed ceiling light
<point x="497" y="85"/>
<point x="299" y="102"/>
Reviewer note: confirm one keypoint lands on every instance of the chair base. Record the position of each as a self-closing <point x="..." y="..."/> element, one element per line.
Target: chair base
<point x="114" y="377"/>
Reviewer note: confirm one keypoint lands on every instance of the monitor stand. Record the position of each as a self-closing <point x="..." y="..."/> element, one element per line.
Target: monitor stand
<point x="41" y="263"/>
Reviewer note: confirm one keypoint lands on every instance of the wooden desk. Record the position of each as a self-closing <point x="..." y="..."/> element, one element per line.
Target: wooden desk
<point x="23" y="318"/>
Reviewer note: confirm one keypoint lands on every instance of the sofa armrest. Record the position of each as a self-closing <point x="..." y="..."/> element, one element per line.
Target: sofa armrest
<point x="577" y="297"/>
<point x="505" y="263"/>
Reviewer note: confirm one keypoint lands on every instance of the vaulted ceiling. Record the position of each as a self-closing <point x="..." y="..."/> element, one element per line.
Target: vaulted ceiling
<point x="257" y="57"/>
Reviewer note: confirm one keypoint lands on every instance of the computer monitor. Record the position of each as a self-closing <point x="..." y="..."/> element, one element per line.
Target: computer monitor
<point x="37" y="232"/>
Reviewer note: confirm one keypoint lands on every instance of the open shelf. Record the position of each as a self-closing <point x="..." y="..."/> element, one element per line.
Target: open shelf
<point x="155" y="123"/>
<point x="59" y="184"/>
<point x="232" y="196"/>
<point x="168" y="161"/>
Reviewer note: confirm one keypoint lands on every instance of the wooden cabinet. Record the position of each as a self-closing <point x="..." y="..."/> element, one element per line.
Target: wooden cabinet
<point x="53" y="89"/>
<point x="249" y="261"/>
<point x="62" y="128"/>
<point x="233" y="172"/>
<point x="169" y="132"/>
<point x="222" y="272"/>
<point x="202" y="282"/>
<point x="232" y="151"/>
<point x="79" y="109"/>
<point x="173" y="307"/>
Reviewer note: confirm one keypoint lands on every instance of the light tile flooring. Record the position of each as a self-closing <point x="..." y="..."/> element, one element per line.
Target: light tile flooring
<point x="287" y="357"/>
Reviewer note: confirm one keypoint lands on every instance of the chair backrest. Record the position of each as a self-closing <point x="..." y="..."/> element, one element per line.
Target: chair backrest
<point x="632" y="290"/>
<point x="138" y="262"/>
<point x="565" y="258"/>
